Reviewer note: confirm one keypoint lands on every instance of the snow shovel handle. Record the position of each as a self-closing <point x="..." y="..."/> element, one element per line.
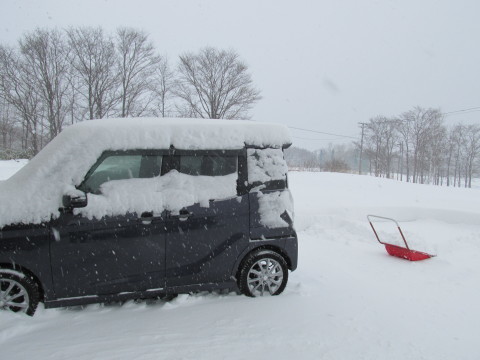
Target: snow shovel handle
<point x="389" y="219"/>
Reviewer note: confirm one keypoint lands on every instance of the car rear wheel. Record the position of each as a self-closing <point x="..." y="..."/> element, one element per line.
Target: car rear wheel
<point x="263" y="273"/>
<point x="18" y="292"/>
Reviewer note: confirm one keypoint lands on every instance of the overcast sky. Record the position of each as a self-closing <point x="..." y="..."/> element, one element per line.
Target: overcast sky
<point x="321" y="65"/>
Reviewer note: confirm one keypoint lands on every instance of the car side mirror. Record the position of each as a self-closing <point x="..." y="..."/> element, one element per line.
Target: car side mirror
<point x="75" y="201"/>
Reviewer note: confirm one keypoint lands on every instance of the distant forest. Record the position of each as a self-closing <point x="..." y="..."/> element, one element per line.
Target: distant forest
<point x="415" y="146"/>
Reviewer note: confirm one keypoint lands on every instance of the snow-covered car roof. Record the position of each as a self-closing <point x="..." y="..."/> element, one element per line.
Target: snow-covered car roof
<point x="181" y="133"/>
<point x="34" y="193"/>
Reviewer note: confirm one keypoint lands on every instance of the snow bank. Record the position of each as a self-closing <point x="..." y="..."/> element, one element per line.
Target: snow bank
<point x="34" y="193"/>
<point x="354" y="196"/>
<point x="343" y="201"/>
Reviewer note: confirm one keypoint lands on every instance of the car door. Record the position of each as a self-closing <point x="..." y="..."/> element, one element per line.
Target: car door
<point x="203" y="241"/>
<point x="95" y="255"/>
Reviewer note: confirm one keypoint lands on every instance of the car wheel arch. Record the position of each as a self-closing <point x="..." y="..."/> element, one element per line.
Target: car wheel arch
<point x="15" y="268"/>
<point x="244" y="257"/>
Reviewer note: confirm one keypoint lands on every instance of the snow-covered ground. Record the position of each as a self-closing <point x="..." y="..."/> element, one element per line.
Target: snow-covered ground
<point x="347" y="300"/>
<point x="9" y="167"/>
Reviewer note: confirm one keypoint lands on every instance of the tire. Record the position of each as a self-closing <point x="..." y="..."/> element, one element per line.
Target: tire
<point x="19" y="292"/>
<point x="263" y="272"/>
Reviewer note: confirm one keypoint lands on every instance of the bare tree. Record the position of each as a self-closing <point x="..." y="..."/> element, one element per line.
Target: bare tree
<point x="457" y="137"/>
<point x="137" y="62"/>
<point x="163" y="88"/>
<point x="381" y="138"/>
<point x="18" y="90"/>
<point x="471" y="145"/>
<point x="422" y="123"/>
<point x="8" y="124"/>
<point x="419" y="137"/>
<point x="45" y="53"/>
<point x="437" y="154"/>
<point x="93" y="59"/>
<point x="404" y="128"/>
<point x="215" y="84"/>
<point x="390" y="138"/>
<point x="450" y="150"/>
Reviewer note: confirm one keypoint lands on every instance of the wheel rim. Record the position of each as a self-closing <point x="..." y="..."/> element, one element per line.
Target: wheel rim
<point x="13" y="296"/>
<point x="265" y="277"/>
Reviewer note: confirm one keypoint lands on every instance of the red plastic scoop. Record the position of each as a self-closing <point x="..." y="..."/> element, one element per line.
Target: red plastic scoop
<point x="395" y="250"/>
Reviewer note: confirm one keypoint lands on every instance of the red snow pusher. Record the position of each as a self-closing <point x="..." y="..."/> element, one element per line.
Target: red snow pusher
<point x="395" y="250"/>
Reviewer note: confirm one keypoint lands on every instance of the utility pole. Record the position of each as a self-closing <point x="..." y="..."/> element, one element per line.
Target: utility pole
<point x="361" y="149"/>
<point x="401" y="161"/>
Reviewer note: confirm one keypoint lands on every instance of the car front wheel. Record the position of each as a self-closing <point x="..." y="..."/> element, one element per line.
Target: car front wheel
<point x="264" y="272"/>
<point x="18" y="292"/>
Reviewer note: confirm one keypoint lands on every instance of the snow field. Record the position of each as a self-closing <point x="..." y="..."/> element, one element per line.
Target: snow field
<point x="9" y="167"/>
<point x="347" y="300"/>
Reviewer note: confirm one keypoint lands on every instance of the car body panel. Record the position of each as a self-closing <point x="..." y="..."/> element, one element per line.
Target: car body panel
<point x="27" y="247"/>
<point x="201" y="247"/>
<point x="107" y="256"/>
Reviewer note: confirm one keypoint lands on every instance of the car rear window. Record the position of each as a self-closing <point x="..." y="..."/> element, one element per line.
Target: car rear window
<point x="207" y="165"/>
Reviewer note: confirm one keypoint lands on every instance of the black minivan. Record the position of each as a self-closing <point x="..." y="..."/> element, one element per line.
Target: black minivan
<point x="116" y="209"/>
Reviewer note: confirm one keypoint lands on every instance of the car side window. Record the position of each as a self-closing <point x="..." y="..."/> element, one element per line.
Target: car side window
<point x="267" y="167"/>
<point x="120" y="166"/>
<point x="207" y="165"/>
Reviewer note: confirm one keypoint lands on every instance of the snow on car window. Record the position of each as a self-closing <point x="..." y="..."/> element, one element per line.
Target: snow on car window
<point x="272" y="206"/>
<point x="266" y="165"/>
<point x="172" y="191"/>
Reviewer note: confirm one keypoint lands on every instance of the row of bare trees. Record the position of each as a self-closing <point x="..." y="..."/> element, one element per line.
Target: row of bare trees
<point x="416" y="146"/>
<point x="58" y="77"/>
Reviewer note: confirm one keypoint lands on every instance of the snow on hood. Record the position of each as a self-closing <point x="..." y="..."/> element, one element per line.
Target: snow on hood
<point x="34" y="193"/>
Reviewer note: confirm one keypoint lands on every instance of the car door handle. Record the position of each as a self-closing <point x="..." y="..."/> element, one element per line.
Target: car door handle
<point x="183" y="215"/>
<point x="146" y="218"/>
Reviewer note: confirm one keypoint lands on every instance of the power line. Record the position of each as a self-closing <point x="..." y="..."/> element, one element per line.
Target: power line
<point x="316" y="139"/>
<point x="473" y="109"/>
<point x="322" y="132"/>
